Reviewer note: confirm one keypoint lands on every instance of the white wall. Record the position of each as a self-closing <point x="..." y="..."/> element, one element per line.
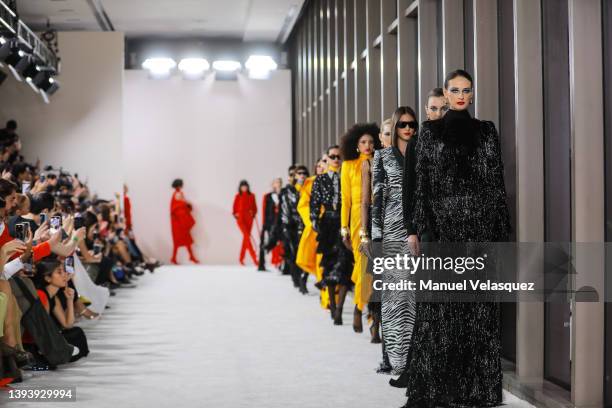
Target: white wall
<point x="211" y="134"/>
<point x="81" y="128"/>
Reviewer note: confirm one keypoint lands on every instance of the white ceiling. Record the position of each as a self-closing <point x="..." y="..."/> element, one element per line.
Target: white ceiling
<point x="249" y="20"/>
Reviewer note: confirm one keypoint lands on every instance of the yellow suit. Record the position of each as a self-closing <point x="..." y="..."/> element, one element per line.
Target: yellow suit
<point x="307" y="257"/>
<point x="350" y="217"/>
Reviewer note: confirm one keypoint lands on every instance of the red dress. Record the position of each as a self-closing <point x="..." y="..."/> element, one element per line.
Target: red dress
<point x="182" y="220"/>
<point x="245" y="210"/>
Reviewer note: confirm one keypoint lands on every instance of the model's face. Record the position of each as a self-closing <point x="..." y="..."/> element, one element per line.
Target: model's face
<point x="291" y="177"/>
<point x="436" y="107"/>
<point x="334" y="158"/>
<point x="300" y="176"/>
<point x="385" y="135"/>
<point x="406" y="127"/>
<point x="459" y="93"/>
<point x="365" y="144"/>
<point x="322" y="165"/>
<point x="243" y="189"/>
<point x="276" y="185"/>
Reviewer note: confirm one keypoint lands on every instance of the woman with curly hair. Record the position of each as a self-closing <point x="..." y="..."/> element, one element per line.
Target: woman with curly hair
<point x="356" y="146"/>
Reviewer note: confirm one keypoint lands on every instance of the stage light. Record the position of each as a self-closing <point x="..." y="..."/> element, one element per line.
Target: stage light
<point x="226" y="65"/>
<point x="193" y="68"/>
<point x="259" y="66"/>
<point x="50" y="86"/>
<point x="159" y="67"/>
<point x="18" y="61"/>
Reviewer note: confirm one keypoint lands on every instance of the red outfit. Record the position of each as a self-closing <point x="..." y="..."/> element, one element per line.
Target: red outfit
<point x="245" y="211"/>
<point x="39" y="251"/>
<point x="182" y="222"/>
<point x="127" y="209"/>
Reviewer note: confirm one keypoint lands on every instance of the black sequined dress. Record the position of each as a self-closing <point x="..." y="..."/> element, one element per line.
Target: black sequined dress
<point x="454" y="357"/>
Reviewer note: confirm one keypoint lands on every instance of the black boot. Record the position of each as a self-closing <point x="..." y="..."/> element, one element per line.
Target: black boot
<point x="303" y="280"/>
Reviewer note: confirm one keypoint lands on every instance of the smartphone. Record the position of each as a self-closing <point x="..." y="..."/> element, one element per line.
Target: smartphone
<point x="69" y="264"/>
<point x="42" y="178"/>
<point x="43" y="218"/>
<point x="56" y="222"/>
<point x="78" y="221"/>
<point x="25" y="187"/>
<point x="20" y="232"/>
<point x="97" y="248"/>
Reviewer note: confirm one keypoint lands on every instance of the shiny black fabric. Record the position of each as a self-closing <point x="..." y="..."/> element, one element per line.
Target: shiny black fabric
<point x="337" y="260"/>
<point x="460" y="197"/>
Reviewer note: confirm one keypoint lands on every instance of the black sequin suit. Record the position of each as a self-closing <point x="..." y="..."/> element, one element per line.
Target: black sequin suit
<point x="337" y="260"/>
<point x="454" y="358"/>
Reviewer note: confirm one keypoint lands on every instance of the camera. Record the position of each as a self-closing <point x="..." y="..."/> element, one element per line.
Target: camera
<point x="56" y="222"/>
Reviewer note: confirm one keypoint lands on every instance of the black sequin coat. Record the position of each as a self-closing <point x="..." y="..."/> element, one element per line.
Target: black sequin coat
<point x="460" y="197"/>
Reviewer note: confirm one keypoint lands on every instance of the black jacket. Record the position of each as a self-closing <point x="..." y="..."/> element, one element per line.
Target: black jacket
<point x="409" y="185"/>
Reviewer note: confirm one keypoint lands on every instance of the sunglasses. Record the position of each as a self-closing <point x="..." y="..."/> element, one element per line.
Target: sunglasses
<point x="412" y="124"/>
<point x="334" y="156"/>
<point x="435" y="108"/>
<point x="301" y="173"/>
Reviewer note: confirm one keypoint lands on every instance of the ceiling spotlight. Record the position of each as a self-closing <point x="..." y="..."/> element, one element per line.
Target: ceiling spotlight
<point x="193" y="68"/>
<point x="259" y="66"/>
<point x="50" y="86"/>
<point x="226" y="65"/>
<point x="159" y="67"/>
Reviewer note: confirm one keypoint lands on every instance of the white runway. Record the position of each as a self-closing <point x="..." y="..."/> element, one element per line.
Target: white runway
<point x="222" y="337"/>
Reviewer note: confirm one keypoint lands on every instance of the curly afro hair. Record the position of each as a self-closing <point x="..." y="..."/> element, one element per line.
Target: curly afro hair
<point x="349" y="142"/>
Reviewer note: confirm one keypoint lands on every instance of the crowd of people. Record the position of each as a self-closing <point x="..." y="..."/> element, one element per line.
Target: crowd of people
<point x="397" y="187"/>
<point x="63" y="253"/>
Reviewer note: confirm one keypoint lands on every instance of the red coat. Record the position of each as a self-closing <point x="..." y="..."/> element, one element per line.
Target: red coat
<point x="127" y="209"/>
<point x="182" y="220"/>
<point x="245" y="209"/>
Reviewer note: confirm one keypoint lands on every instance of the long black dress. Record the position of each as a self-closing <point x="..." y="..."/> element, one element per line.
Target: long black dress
<point x="454" y="357"/>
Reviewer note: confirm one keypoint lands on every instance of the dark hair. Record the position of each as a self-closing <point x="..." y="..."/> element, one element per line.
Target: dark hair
<point x="303" y="168"/>
<point x="7" y="188"/>
<point x="332" y="147"/>
<point x="435" y="93"/>
<point x="291" y="168"/>
<point x="11" y="124"/>
<point x="349" y="142"/>
<point x="43" y="270"/>
<point x="40" y="202"/>
<point x="177" y="183"/>
<point x="19" y="168"/>
<point x="105" y="212"/>
<point x="457" y="73"/>
<point x="89" y="219"/>
<point x="402" y="110"/>
<point x="244" y="183"/>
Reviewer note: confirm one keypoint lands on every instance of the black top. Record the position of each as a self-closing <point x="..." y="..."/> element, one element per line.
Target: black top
<point x="18" y="219"/>
<point x="460" y="194"/>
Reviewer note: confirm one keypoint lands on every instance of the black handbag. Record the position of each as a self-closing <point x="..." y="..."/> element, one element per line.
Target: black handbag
<point x="47" y="336"/>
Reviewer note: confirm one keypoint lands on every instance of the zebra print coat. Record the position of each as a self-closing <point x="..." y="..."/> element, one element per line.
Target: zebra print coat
<point x="388" y="227"/>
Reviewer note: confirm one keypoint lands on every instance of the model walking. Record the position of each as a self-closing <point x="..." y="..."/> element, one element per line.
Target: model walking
<point x="182" y="222"/>
<point x="460" y="197"/>
<point x="245" y="210"/>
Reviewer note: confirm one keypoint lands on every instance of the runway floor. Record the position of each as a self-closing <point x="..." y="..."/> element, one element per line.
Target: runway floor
<point x="205" y="336"/>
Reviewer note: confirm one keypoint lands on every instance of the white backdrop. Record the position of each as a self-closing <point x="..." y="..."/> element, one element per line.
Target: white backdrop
<point x="211" y="134"/>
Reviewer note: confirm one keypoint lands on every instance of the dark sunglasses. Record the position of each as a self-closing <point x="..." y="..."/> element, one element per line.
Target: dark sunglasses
<point x="334" y="156"/>
<point x="412" y="124"/>
<point x="301" y="173"/>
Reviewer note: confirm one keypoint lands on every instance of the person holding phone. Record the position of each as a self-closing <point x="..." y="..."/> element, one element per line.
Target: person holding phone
<point x="182" y="222"/>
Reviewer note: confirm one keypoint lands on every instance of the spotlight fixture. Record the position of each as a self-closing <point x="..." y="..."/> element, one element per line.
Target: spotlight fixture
<point x="18" y="60"/>
<point x="259" y="66"/>
<point x="50" y="86"/>
<point x="159" y="67"/>
<point x="226" y="65"/>
<point x="193" y="68"/>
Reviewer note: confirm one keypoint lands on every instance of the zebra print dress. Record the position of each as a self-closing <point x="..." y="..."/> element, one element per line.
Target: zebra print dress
<point x="398" y="307"/>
